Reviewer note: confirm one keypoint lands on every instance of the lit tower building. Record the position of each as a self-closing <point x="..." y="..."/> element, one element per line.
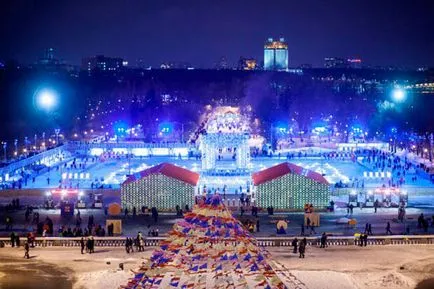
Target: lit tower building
<point x="276" y="54"/>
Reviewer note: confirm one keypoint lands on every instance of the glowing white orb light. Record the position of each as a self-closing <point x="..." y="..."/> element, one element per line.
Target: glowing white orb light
<point x="46" y="99"/>
<point x="398" y="95"/>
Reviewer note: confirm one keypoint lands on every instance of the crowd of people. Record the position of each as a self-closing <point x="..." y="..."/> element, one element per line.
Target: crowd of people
<point x="139" y="241"/>
<point x="400" y="168"/>
<point x="23" y="177"/>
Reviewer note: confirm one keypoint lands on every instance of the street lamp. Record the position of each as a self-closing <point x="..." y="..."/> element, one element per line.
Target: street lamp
<point x="5" y="144"/>
<point x="57" y="131"/>
<point x="46" y="99"/>
<point x="16" y="147"/>
<point x="398" y="95"/>
<point x="26" y="142"/>
<point x="182" y="130"/>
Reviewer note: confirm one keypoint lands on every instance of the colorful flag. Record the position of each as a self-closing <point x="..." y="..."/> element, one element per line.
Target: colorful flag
<point x="254" y="267"/>
<point x="234" y="257"/>
<point x="195" y="268"/>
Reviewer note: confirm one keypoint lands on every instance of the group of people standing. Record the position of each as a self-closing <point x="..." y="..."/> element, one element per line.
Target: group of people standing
<point x="299" y="246"/>
<point x="87" y="244"/>
<point x="138" y="242"/>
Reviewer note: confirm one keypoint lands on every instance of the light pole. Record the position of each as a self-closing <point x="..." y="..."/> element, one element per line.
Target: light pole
<point x="16" y="147"/>
<point x="182" y="132"/>
<point x="169" y="129"/>
<point x="5" y="144"/>
<point x="26" y="142"/>
<point x="43" y="141"/>
<point x="36" y="138"/>
<point x="57" y="131"/>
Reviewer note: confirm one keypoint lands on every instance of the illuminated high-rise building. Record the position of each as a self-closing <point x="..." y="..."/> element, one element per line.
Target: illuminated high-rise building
<point x="275" y="54"/>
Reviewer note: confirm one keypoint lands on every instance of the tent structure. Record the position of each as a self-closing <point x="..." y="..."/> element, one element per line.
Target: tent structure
<point x="209" y="248"/>
<point x="288" y="186"/>
<point x="163" y="186"/>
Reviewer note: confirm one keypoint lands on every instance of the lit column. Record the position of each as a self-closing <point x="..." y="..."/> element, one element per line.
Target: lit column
<point x="57" y="132"/>
<point x="16" y="147"/>
<point x="5" y="145"/>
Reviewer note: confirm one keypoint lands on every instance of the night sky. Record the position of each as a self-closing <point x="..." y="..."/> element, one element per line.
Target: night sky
<point x="381" y="32"/>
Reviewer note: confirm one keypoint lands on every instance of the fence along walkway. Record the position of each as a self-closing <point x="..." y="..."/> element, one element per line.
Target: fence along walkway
<point x="262" y="241"/>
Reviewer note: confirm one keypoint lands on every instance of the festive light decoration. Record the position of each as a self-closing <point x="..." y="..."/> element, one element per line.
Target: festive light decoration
<point x="211" y="142"/>
<point x="226" y="127"/>
<point x="209" y="248"/>
<point x="288" y="186"/>
<point x="163" y="186"/>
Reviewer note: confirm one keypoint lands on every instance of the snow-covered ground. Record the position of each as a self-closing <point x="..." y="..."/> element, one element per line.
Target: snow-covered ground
<point x="390" y="267"/>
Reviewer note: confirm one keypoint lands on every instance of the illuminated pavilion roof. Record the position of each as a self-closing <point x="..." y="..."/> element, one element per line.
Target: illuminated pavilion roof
<point x="169" y="170"/>
<point x="282" y="169"/>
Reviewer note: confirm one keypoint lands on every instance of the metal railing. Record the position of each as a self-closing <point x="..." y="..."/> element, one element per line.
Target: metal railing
<point x="31" y="160"/>
<point x="126" y="145"/>
<point x="261" y="241"/>
<point x="84" y="146"/>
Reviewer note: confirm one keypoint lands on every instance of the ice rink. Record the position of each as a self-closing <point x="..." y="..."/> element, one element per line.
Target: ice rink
<point x="112" y="172"/>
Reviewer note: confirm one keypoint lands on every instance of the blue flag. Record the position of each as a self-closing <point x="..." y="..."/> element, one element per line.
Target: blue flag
<point x="247" y="258"/>
<point x="195" y="268"/>
<point x="195" y="258"/>
<point x="234" y="257"/>
<point x="186" y="230"/>
<point x="254" y="267"/>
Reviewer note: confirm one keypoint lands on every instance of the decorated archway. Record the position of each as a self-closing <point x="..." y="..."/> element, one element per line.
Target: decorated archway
<point x="226" y="136"/>
<point x="212" y="142"/>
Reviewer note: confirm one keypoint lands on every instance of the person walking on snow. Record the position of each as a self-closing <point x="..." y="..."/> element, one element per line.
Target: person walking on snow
<point x="388" y="231"/>
<point x="302" y="248"/>
<point x="295" y="245"/>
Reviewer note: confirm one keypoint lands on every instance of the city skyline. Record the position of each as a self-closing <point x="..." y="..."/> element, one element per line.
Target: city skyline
<point x="200" y="33"/>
